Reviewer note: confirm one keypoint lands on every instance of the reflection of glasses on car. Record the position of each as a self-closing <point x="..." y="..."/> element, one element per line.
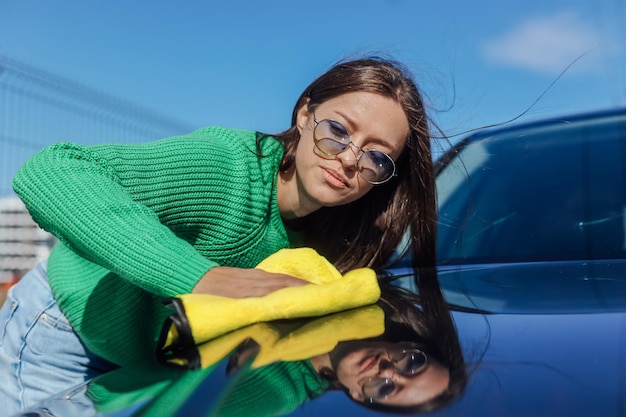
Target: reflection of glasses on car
<point x="406" y="362"/>
<point x="332" y="138"/>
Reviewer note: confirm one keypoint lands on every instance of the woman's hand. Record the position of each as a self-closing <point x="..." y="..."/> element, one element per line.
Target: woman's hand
<point x="241" y="283"/>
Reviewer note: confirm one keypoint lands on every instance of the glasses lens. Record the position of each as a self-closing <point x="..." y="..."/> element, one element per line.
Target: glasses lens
<point x="411" y="362"/>
<point x="331" y="137"/>
<point x="376" y="167"/>
<point x="377" y="388"/>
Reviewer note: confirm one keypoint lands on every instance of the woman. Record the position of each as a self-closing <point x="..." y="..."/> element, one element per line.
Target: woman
<point x="417" y="366"/>
<point x="196" y="213"/>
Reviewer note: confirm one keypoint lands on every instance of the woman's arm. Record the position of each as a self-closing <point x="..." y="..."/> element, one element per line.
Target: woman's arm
<point x="243" y="283"/>
<point x="81" y="198"/>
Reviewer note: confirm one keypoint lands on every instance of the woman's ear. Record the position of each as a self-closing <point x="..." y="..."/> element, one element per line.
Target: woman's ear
<point x="327" y="373"/>
<point x="356" y="396"/>
<point x="302" y="117"/>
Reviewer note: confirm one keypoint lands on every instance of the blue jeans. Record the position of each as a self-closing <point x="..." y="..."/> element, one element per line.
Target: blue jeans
<point x="40" y="354"/>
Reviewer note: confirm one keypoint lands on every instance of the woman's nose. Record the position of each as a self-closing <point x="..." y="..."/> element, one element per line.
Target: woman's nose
<point x="385" y="369"/>
<point x="349" y="157"/>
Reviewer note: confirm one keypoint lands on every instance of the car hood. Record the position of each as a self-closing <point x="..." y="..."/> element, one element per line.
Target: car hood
<point x="538" y="339"/>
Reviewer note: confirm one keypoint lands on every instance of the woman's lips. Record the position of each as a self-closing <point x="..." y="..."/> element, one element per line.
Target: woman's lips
<point x="334" y="179"/>
<point x="368" y="363"/>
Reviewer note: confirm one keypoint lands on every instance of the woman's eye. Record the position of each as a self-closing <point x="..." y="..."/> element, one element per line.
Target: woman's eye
<point x="386" y="390"/>
<point x="414" y="363"/>
<point x="338" y="130"/>
<point x="368" y="172"/>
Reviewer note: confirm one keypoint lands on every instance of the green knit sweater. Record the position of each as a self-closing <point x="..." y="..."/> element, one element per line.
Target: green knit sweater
<point x="273" y="390"/>
<point x="137" y="223"/>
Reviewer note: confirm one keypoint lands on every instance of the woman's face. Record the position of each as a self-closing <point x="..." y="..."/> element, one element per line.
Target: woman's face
<point x="359" y="363"/>
<point x="373" y="121"/>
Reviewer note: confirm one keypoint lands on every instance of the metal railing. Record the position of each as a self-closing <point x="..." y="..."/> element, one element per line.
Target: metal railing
<point x="38" y="108"/>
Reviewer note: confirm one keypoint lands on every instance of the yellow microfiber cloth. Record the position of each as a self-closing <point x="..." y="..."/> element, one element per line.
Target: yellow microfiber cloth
<point x="321" y="335"/>
<point x="294" y="341"/>
<point x="203" y="317"/>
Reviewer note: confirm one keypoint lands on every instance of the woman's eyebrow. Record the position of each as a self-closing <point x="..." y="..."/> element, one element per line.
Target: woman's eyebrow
<point x="351" y="124"/>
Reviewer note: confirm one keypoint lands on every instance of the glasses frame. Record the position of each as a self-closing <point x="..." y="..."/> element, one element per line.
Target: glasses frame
<point x="389" y="381"/>
<point x="358" y="159"/>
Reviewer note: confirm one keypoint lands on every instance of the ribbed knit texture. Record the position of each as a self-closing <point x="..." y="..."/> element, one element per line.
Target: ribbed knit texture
<point x="273" y="390"/>
<point x="140" y="222"/>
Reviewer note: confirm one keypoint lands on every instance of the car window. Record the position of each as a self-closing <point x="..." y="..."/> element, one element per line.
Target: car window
<point x="548" y="192"/>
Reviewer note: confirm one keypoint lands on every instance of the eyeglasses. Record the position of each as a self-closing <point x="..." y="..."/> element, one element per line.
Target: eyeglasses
<point x="406" y="362"/>
<point x="332" y="138"/>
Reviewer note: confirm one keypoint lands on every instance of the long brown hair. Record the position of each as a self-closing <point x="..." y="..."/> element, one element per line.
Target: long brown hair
<point x="435" y="334"/>
<point x="366" y="232"/>
<point x="434" y="329"/>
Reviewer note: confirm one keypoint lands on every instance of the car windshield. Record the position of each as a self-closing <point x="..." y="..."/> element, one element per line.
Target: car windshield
<point x="546" y="192"/>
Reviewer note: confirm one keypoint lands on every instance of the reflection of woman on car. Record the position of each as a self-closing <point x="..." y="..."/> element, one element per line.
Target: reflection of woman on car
<point x="413" y="365"/>
<point x="196" y="213"/>
<point x="416" y="366"/>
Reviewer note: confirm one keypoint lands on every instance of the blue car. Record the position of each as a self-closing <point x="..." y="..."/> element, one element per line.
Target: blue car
<point x="532" y="266"/>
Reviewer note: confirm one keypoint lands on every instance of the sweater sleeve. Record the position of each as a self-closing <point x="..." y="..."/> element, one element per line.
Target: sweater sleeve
<point x="111" y="205"/>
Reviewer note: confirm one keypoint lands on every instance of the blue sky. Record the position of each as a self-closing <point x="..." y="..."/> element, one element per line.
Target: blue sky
<point x="243" y="63"/>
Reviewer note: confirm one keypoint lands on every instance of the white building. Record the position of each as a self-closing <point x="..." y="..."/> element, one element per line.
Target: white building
<point x="22" y="243"/>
